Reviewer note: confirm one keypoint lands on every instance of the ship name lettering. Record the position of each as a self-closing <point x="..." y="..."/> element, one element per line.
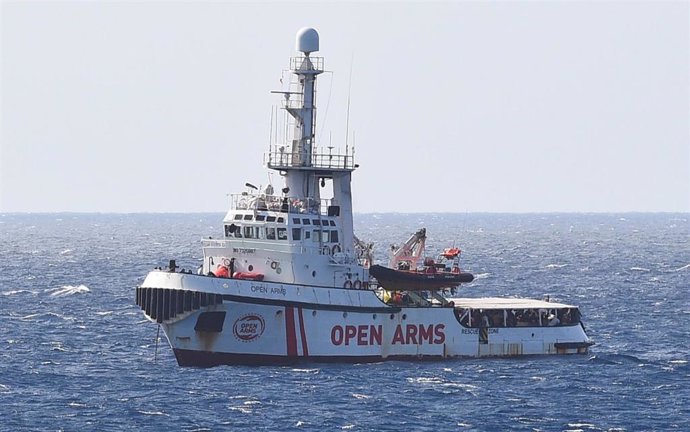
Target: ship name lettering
<point x="259" y="288"/>
<point x="363" y="335"/>
<point x="360" y="335"/>
<point x="280" y="290"/>
<point x="419" y="334"/>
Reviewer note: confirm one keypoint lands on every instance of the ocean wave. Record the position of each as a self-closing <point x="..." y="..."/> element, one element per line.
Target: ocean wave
<point x="241" y="408"/>
<point x="48" y="315"/>
<point x="13" y="292"/>
<point x="640" y="269"/>
<point x="556" y="266"/>
<point x="66" y="290"/>
<point x="616" y="359"/>
<point x="153" y="413"/>
<point x="685" y="267"/>
<point x="311" y="371"/>
<point x="481" y="276"/>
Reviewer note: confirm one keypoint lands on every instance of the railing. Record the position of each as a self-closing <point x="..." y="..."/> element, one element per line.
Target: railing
<point x="279" y="157"/>
<point x="284" y="204"/>
<point x="300" y="64"/>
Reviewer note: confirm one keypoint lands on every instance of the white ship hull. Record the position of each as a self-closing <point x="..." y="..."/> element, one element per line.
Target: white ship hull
<point x="249" y="322"/>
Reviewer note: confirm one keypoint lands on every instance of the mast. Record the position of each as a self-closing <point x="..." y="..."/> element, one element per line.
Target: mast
<point x="305" y="166"/>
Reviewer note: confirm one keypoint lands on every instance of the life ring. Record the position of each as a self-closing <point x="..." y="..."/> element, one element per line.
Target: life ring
<point x="347" y="284"/>
<point x="358" y="284"/>
<point x="326" y="250"/>
<point x="274" y="265"/>
<point x="226" y="262"/>
<point x="336" y="249"/>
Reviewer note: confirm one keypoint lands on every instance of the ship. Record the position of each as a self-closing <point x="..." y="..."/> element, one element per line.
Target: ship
<point x="288" y="281"/>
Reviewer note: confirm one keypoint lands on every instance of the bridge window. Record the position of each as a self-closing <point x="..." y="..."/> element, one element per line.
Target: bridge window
<point x="306" y="222"/>
<point x="334" y="236"/>
<point x="248" y="217"/>
<point x="248" y="232"/>
<point x="238" y="217"/>
<point x="282" y="234"/>
<point x="270" y="233"/>
<point x="296" y="233"/>
<point x="270" y="218"/>
<point x="295" y="221"/>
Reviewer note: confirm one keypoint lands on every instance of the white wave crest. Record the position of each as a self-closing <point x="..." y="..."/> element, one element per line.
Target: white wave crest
<point x="69" y="290"/>
<point x="556" y="266"/>
<point x="156" y="413"/>
<point x="13" y="292"/>
<point x="66" y="251"/>
<point x="640" y="269"/>
<point x="482" y="276"/>
<point x="685" y="267"/>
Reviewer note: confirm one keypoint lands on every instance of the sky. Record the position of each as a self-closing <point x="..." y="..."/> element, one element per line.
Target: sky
<point x="454" y="106"/>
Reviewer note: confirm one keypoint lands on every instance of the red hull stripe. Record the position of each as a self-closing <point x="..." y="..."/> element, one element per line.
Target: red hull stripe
<point x="303" y="334"/>
<point x="290" y="332"/>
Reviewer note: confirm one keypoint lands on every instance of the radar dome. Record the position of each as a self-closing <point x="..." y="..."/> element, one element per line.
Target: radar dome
<point x="307" y="40"/>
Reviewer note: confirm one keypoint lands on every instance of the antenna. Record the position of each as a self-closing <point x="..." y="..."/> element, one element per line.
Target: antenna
<point x="270" y="133"/>
<point x="349" y="92"/>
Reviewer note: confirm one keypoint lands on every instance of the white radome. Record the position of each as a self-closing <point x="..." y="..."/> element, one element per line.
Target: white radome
<point x="307" y="40"/>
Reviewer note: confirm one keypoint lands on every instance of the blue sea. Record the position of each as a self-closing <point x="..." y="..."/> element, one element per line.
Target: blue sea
<point x="76" y="353"/>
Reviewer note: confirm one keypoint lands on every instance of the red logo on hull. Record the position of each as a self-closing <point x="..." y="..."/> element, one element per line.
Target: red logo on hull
<point x="249" y="327"/>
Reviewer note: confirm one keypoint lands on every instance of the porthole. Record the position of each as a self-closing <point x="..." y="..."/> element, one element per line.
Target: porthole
<point x="404" y="316"/>
<point x="251" y="267"/>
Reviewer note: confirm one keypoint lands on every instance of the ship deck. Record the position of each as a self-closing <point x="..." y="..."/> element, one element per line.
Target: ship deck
<point x="506" y="303"/>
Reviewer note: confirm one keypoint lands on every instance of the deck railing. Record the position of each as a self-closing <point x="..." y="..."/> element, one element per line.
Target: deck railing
<point x="283" y="204"/>
<point x="282" y="157"/>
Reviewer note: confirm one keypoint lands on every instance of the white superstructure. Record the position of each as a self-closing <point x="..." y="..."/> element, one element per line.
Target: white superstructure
<point x="293" y="283"/>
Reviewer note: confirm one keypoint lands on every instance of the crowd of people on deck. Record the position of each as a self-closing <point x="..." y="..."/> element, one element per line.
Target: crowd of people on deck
<point x="539" y="317"/>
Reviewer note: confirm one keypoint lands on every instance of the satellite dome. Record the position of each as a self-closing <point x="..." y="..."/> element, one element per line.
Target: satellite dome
<point x="307" y="40"/>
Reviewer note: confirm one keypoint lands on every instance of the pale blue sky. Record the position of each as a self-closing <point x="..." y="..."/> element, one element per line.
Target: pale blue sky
<point x="457" y="106"/>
